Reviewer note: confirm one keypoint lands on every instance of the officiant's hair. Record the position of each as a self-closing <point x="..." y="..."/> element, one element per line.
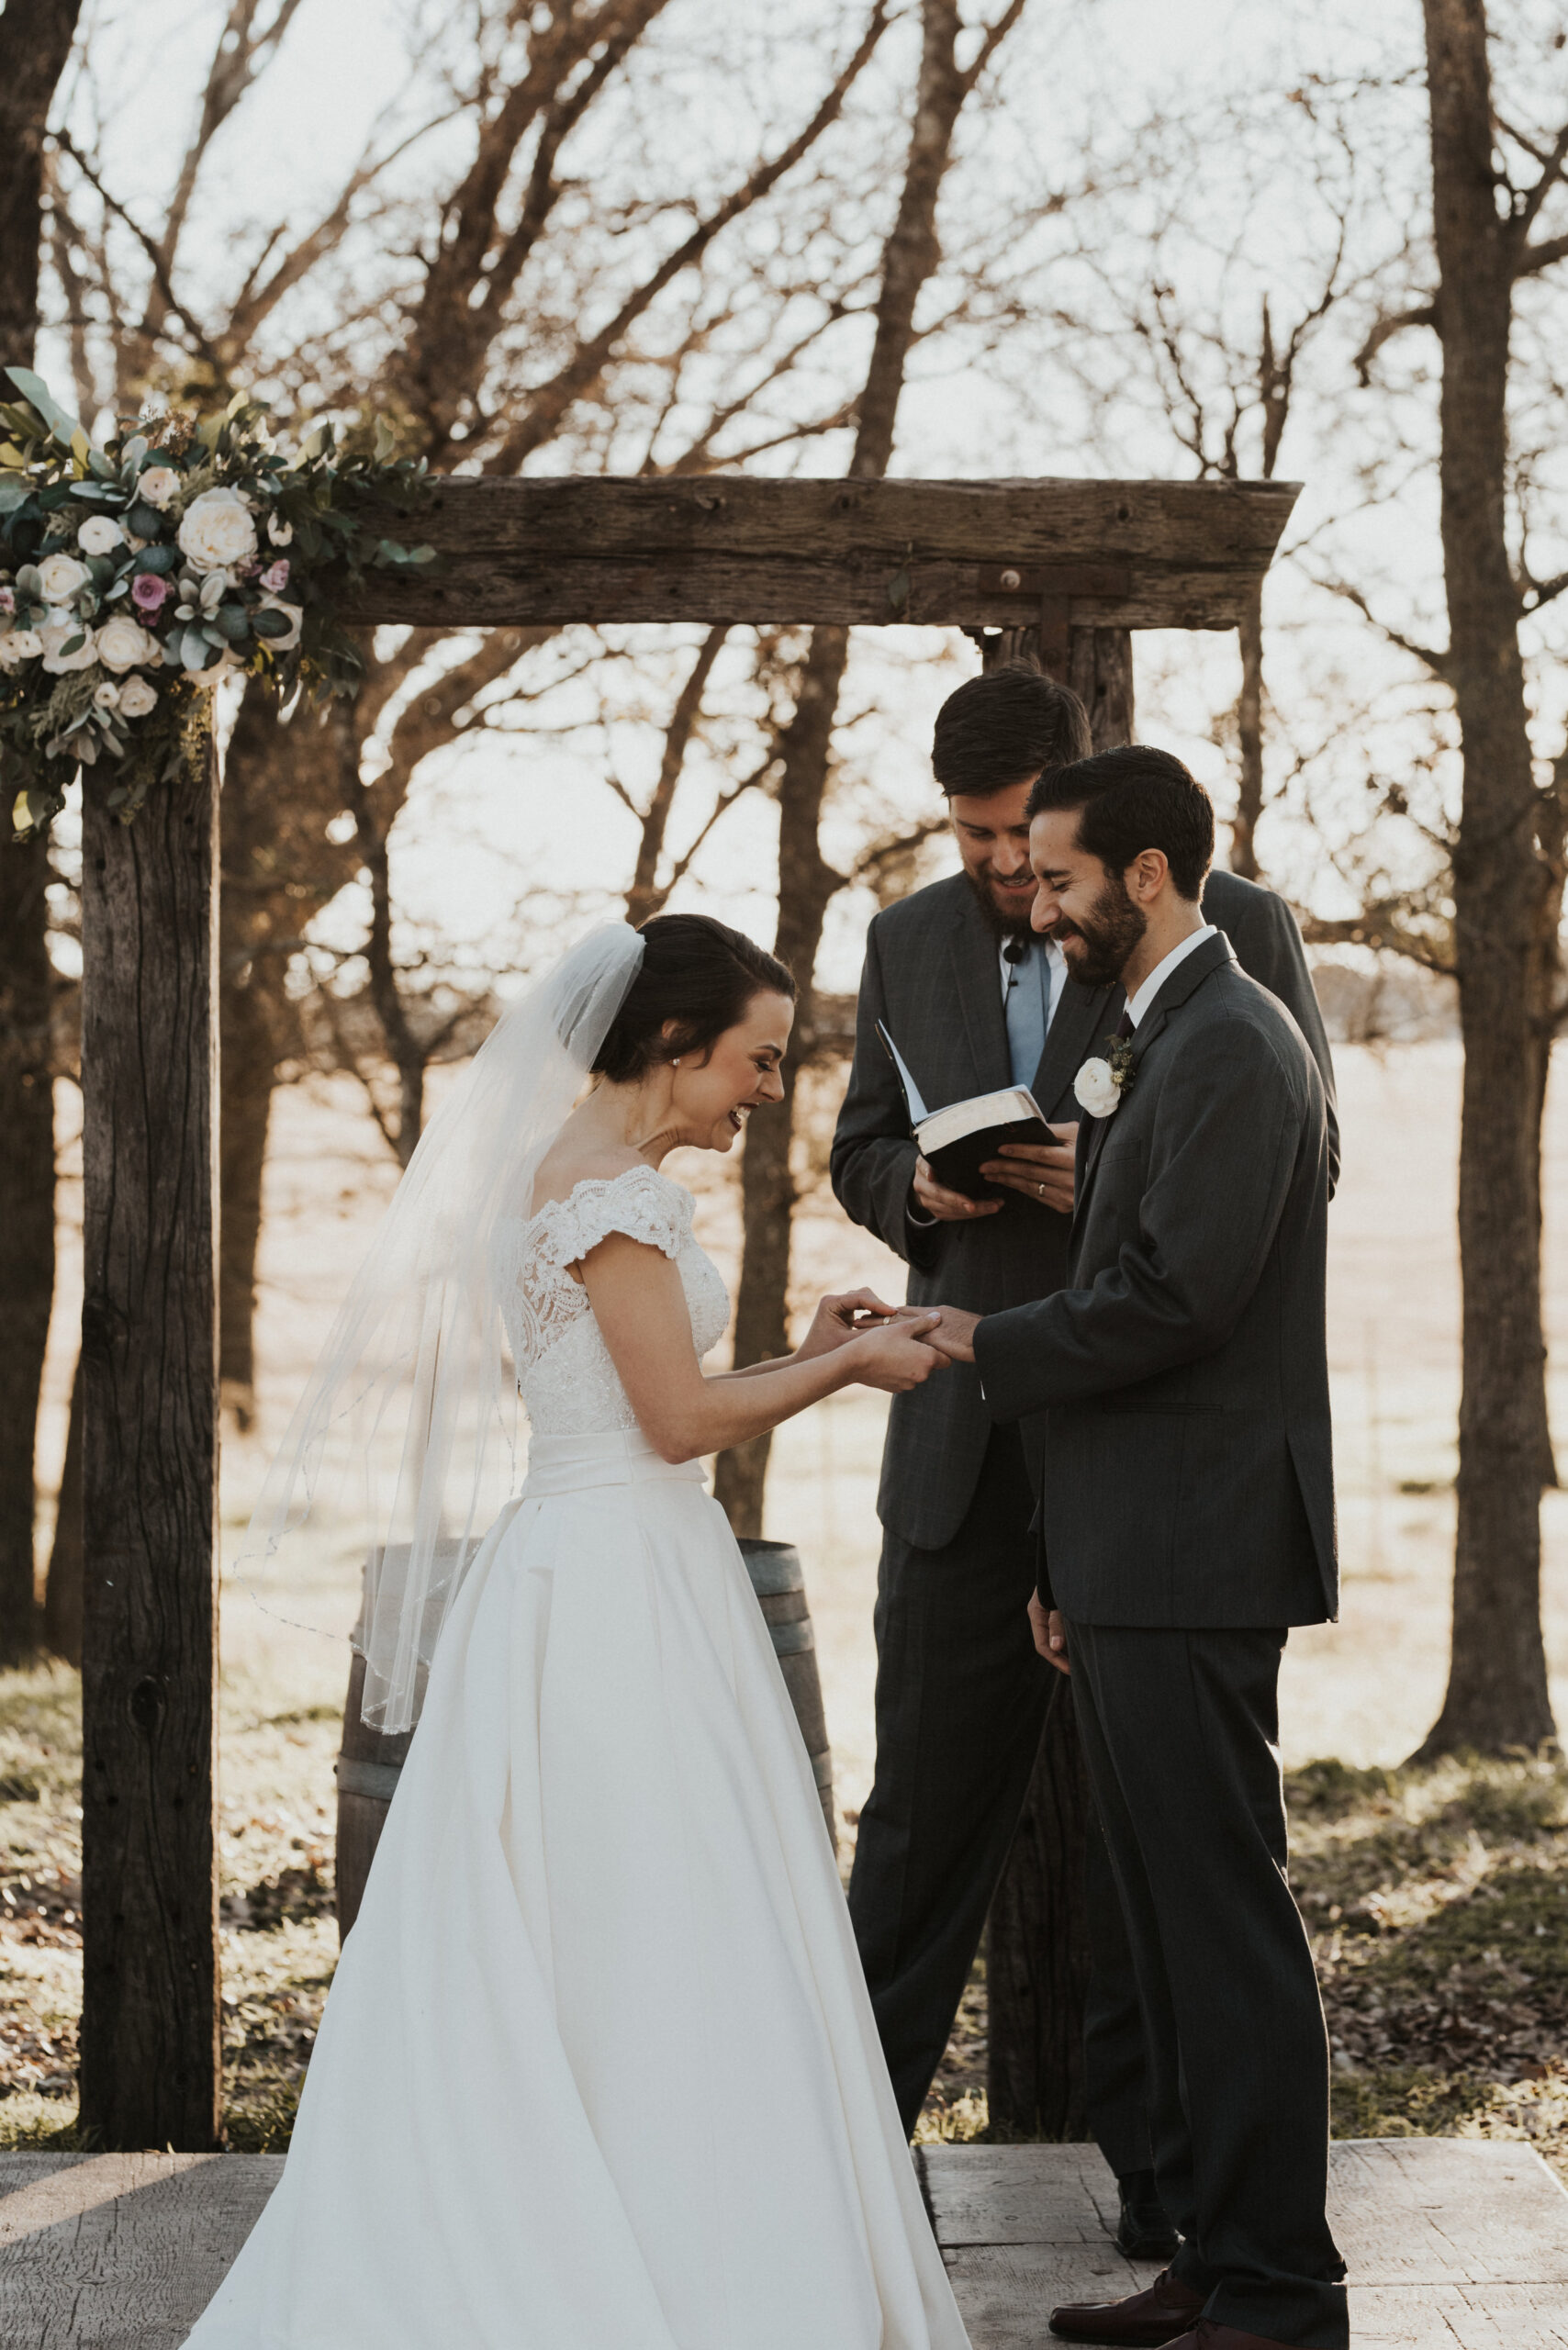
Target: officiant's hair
<point x="1132" y="799"/>
<point x="696" y="973"/>
<point x="997" y="729"/>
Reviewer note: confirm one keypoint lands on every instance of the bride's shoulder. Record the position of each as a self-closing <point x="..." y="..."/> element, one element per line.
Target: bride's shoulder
<point x="580" y="1200"/>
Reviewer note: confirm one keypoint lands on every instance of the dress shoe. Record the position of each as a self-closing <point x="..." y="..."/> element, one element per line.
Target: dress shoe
<point x="1144" y="2230"/>
<point x="1141" y="2321"/>
<point x="1209" y="2335"/>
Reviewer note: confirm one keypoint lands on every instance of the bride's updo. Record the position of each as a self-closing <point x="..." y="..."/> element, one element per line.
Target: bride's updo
<point x="696" y="974"/>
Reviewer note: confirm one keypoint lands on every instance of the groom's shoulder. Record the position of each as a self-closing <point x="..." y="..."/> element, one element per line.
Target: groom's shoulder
<point x="1231" y="1012"/>
<point x="907" y="920"/>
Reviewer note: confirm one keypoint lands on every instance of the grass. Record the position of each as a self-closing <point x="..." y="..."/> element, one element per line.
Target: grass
<point x="1437" y="1901"/>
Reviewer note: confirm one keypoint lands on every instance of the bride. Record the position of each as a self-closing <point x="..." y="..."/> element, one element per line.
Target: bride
<point x="598" y="2070"/>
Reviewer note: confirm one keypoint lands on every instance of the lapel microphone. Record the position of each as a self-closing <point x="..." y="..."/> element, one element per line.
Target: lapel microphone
<point x="1014" y="949"/>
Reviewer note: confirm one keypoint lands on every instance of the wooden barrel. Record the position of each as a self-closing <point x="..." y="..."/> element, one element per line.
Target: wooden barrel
<point x="780" y="1586"/>
<point x="370" y="1760"/>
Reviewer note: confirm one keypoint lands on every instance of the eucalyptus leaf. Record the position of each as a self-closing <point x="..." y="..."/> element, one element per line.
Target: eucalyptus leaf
<point x="144" y="521"/>
<point x="268" y="621"/>
<point x="12" y="494"/>
<point x="234" y="621"/>
<point x="214" y="636"/>
<point x="37" y="393"/>
<point x="194" y="650"/>
<point x="74" y="643"/>
<point x="159" y="559"/>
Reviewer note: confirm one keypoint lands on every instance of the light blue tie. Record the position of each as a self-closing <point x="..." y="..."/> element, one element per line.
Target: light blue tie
<point x="1028" y="1002"/>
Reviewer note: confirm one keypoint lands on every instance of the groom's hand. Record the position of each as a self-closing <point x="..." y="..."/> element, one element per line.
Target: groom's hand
<point x="953" y="1333"/>
<point x="1038" y="1170"/>
<point x="1050" y="1634"/>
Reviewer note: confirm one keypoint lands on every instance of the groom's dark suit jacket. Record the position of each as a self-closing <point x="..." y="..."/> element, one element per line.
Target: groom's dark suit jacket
<point x="932" y="975"/>
<point x="1184" y="1369"/>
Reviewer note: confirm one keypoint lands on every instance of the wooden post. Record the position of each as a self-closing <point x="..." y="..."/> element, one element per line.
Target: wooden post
<point x="151" y="2016"/>
<point x="1037" y="1936"/>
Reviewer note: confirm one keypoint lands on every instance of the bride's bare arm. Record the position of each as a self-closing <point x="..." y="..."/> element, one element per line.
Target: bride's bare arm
<point x="640" y="1307"/>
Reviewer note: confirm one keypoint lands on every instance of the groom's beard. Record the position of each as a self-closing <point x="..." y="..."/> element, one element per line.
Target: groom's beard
<point x="1001" y="924"/>
<point x="1109" y="937"/>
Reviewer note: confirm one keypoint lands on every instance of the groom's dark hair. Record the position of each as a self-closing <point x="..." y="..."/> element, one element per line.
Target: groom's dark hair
<point x="1132" y="799"/>
<point x="1003" y="728"/>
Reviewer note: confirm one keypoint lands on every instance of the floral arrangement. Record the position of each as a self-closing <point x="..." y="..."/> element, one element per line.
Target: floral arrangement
<point x="134" y="577"/>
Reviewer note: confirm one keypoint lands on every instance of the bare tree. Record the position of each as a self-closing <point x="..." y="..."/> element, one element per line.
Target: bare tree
<point x="807" y="882"/>
<point x="36" y="37"/>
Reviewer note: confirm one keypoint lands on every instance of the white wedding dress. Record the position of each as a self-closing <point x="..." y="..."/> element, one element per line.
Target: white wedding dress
<point x="598" y="2070"/>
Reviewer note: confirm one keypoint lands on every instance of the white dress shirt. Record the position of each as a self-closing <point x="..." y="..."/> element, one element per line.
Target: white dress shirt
<point x="1140" y="1002"/>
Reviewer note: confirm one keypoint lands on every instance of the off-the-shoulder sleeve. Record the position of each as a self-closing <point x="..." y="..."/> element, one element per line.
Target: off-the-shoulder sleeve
<point x="641" y="1203"/>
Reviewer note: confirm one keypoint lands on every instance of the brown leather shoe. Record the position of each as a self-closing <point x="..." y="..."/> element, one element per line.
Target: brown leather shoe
<point x="1142" y="2322"/>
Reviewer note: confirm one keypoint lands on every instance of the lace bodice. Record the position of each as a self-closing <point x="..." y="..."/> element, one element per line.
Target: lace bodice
<point x="569" y="1382"/>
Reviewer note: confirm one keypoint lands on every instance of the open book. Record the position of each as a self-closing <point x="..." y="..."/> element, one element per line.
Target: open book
<point x="955" y="1142"/>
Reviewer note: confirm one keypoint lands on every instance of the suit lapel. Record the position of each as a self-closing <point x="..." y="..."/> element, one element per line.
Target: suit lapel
<point x="976" y="979"/>
<point x="1071" y="1037"/>
<point x="1213" y="955"/>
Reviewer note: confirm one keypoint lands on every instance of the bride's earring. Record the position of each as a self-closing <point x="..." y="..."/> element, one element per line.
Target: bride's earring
<point x="675" y="1063"/>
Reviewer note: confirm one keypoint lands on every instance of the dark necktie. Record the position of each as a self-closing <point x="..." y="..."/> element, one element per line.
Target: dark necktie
<point x="1125" y="1024"/>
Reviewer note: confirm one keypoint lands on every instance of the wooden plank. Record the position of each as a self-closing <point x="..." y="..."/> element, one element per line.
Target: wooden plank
<point x="151" y="2016"/>
<point x="120" y="2252"/>
<point x="865" y="554"/>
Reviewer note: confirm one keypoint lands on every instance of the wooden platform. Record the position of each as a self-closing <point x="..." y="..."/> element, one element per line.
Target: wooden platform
<point x="1454" y="2243"/>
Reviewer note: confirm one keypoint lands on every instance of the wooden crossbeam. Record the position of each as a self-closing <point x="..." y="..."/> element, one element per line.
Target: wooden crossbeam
<point x="1135" y="555"/>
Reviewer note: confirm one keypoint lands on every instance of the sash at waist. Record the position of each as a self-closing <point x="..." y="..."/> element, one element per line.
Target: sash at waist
<point x="577" y="1464"/>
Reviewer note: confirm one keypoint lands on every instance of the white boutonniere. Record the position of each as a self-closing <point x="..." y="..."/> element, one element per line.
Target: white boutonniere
<point x="1099" y="1084"/>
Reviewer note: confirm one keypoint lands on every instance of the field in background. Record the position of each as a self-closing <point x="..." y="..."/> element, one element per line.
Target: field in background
<point x="1362" y="1692"/>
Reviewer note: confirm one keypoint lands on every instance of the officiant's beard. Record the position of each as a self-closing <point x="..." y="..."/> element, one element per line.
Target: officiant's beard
<point x="1109" y="937"/>
<point x="1002" y="925"/>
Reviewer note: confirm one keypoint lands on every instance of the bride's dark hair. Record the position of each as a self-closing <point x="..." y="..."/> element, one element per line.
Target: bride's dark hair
<point x="699" y="976"/>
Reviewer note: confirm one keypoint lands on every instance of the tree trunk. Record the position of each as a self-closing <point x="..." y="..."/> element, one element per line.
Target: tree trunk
<point x="1249" y="728"/>
<point x="1497" y="1696"/>
<point x="1037" y="1933"/>
<point x="283" y="784"/>
<point x="806" y="883"/>
<point x="62" y="1594"/>
<point x="26" y="1221"/>
<point x="150" y="2018"/>
<point x="35" y="41"/>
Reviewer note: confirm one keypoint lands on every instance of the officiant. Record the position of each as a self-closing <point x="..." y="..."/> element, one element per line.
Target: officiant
<point x="975" y="1001"/>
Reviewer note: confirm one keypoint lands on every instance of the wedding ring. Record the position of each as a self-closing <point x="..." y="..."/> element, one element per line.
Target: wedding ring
<point x="1041" y="1188"/>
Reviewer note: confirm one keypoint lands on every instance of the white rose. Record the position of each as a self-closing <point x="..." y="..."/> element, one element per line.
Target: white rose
<point x="107" y="696"/>
<point x="217" y="531"/>
<point x="157" y="484"/>
<point x="63" y="578"/>
<point x="291" y="612"/>
<point x="137" y="698"/>
<point x="58" y="631"/>
<point x="1096" y="1090"/>
<point x="100" y="534"/>
<point x="123" y="642"/>
<point x="19" y="645"/>
<point x="280" y="532"/>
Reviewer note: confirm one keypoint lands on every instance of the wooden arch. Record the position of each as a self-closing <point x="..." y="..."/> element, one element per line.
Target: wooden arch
<point x="1067" y="567"/>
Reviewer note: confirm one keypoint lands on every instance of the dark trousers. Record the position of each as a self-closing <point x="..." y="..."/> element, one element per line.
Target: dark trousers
<point x="1179" y="1733"/>
<point x="961" y="1698"/>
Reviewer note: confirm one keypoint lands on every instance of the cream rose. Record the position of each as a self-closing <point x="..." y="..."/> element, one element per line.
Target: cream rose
<point x="107" y="696"/>
<point x="63" y="578"/>
<point x="57" y="632"/>
<point x="137" y="698"/>
<point x="157" y="484"/>
<point x="1095" y="1089"/>
<point x="100" y="534"/>
<point x="280" y="532"/>
<point x="123" y="643"/>
<point x="218" y="532"/>
<point x="17" y="645"/>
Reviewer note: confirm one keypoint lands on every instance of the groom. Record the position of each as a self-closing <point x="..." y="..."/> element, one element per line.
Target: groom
<point x="1188" y="1519"/>
<point x="973" y="997"/>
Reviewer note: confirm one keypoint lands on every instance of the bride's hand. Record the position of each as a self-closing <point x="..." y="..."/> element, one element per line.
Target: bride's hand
<point x="834" y="1321"/>
<point x="892" y="1358"/>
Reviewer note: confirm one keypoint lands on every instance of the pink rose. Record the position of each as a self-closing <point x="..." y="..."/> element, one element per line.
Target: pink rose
<point x="274" y="579"/>
<point x="147" y="591"/>
<point x="8" y="599"/>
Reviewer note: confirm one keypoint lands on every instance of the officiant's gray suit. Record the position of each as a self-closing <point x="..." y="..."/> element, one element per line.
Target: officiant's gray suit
<point x="1188" y="1514"/>
<point x="961" y="1693"/>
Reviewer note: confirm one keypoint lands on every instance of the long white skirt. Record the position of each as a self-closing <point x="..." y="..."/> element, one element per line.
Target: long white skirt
<point x="598" y="2070"/>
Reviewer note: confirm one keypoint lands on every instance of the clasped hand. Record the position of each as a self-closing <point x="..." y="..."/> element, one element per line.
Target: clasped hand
<point x="891" y="1342"/>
